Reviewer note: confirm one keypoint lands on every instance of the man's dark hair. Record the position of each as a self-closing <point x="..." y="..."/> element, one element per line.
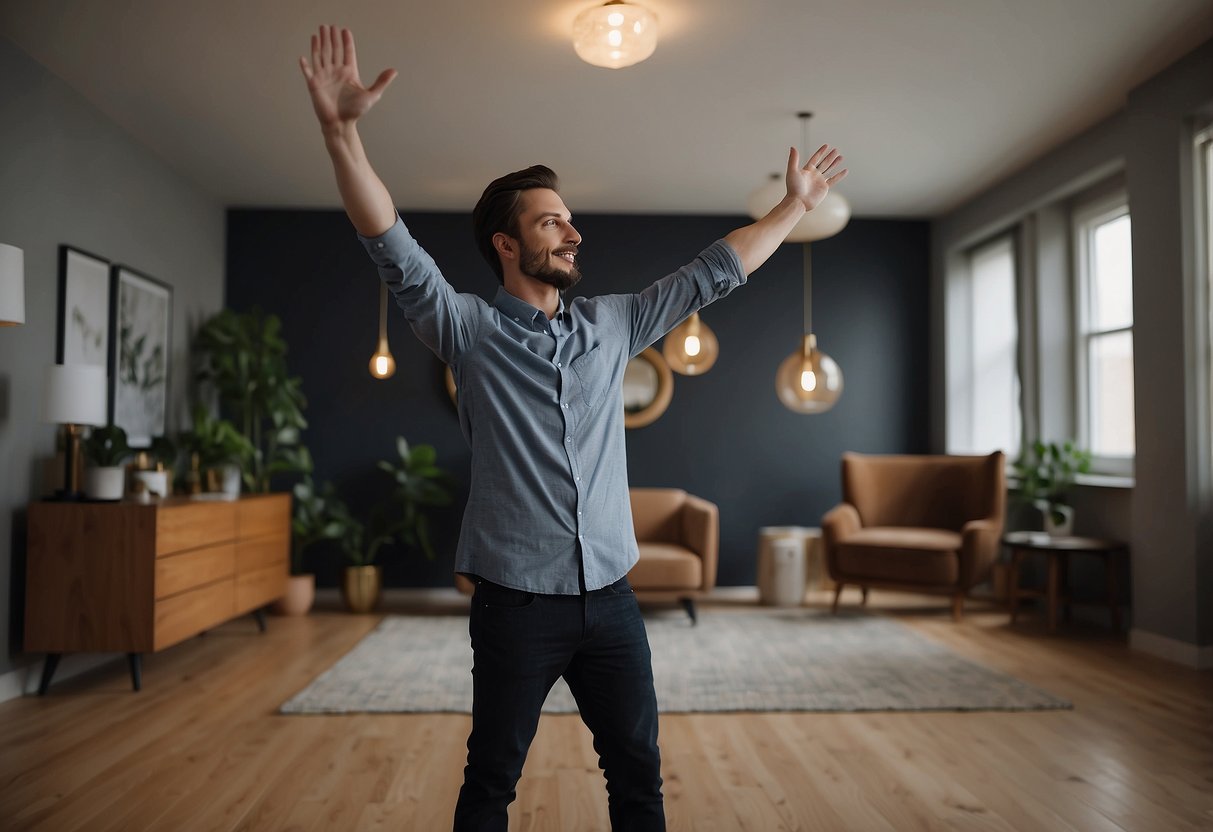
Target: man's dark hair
<point x="500" y="206"/>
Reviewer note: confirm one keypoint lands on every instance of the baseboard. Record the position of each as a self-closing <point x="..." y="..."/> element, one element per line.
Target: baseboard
<point x="24" y="680"/>
<point x="1173" y="650"/>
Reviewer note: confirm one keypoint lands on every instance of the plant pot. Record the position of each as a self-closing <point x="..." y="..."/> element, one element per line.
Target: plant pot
<point x="299" y="597"/>
<point x="361" y="587"/>
<point x="108" y="483"/>
<point x="1059" y="520"/>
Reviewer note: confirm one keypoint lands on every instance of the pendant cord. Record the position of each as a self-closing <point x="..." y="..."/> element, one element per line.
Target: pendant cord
<point x="382" y="312"/>
<point x="808" y="289"/>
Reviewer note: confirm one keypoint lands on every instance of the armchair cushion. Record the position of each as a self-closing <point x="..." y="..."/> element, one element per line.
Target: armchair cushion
<point x="903" y="555"/>
<point x="666" y="566"/>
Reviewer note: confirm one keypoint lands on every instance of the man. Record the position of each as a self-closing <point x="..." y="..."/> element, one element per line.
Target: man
<point x="547" y="534"/>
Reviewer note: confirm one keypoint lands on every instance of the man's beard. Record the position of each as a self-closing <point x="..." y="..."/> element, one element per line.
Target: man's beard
<point x="535" y="264"/>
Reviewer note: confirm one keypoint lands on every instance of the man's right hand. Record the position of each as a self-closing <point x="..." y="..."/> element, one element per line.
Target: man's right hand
<point x="332" y="79"/>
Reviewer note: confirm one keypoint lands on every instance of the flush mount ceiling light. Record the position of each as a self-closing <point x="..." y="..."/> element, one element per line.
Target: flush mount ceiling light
<point x="615" y="35"/>
<point x="829" y="217"/>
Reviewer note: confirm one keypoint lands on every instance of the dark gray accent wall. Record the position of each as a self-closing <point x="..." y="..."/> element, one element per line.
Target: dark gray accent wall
<point x="725" y="436"/>
<point x="70" y="175"/>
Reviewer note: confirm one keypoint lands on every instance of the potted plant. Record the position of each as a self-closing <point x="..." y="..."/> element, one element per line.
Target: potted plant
<point x="318" y="514"/>
<point x="216" y="450"/>
<point x="106" y="450"/>
<point x="244" y="357"/>
<point x="1046" y="472"/>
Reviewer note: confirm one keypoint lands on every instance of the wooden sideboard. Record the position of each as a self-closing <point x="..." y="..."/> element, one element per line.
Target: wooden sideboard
<point x="137" y="578"/>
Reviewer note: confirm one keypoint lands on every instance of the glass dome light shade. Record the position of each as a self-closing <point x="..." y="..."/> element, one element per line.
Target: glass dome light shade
<point x="615" y="35"/>
<point x="829" y="217"/>
<point x="691" y="347"/>
<point x="808" y="380"/>
<point x="382" y="364"/>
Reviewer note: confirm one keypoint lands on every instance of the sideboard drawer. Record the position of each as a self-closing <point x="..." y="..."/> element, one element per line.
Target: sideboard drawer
<point x="263" y="552"/>
<point x="184" y="615"/>
<point x="177" y="573"/>
<point x="192" y="525"/>
<point x="263" y="514"/>
<point x="258" y="588"/>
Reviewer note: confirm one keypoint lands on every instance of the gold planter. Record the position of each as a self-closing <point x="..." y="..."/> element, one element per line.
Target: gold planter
<point x="361" y="587"/>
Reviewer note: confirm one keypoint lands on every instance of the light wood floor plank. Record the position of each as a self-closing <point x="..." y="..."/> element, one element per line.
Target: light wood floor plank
<point x="202" y="747"/>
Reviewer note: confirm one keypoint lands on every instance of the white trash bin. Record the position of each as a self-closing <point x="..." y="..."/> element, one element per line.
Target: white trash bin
<point x="782" y="572"/>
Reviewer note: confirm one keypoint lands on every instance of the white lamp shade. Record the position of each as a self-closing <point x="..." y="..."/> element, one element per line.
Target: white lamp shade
<point x="829" y="217"/>
<point x="75" y="394"/>
<point x="615" y="35"/>
<point x="12" y="285"/>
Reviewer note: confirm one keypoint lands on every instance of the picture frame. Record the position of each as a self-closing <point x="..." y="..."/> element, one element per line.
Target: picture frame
<point x="140" y="355"/>
<point x="84" y="308"/>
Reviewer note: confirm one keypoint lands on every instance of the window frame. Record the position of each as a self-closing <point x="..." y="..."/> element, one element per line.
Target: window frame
<point x="1085" y="218"/>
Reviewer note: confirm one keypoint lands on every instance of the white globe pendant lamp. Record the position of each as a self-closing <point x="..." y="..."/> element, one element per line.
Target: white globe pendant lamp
<point x="829" y="217"/>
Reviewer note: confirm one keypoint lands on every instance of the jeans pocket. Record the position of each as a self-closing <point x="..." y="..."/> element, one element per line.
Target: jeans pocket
<point x="489" y="594"/>
<point x="621" y="587"/>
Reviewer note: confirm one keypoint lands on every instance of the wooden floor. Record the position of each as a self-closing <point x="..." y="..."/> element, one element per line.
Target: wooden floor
<point x="201" y="747"/>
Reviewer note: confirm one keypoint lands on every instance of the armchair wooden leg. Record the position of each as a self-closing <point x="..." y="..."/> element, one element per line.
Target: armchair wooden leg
<point x="688" y="604"/>
<point x="864" y="590"/>
<point x="837" y="595"/>
<point x="958" y="603"/>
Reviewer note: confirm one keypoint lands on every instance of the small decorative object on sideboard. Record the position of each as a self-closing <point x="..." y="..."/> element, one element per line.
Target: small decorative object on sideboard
<point x="106" y="450"/>
<point x="1046" y="473"/>
<point x="218" y="448"/>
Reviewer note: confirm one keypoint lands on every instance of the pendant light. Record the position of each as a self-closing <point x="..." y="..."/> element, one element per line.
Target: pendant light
<point x="691" y="347"/>
<point x="615" y="35"/>
<point x="382" y="364"/>
<point x="829" y="217"/>
<point x="808" y="380"/>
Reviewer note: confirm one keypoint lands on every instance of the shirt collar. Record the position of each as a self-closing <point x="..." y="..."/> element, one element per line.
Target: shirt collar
<point x="521" y="310"/>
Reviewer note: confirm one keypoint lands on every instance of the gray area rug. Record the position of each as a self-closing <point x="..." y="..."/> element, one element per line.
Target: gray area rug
<point x="770" y="660"/>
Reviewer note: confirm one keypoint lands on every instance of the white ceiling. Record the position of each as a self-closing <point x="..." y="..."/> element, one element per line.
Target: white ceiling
<point x="930" y="101"/>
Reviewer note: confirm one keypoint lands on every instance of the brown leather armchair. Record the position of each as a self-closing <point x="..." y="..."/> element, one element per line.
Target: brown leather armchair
<point x="679" y="539"/>
<point x="678" y="535"/>
<point x="922" y="523"/>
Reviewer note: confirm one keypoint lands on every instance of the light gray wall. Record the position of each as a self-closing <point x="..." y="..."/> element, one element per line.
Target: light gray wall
<point x="1166" y="516"/>
<point x="70" y="175"/>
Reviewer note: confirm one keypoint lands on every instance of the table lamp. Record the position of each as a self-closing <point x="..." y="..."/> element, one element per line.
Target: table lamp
<point x="75" y="395"/>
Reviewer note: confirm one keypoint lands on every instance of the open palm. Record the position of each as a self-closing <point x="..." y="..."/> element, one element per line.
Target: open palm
<point x="332" y="78"/>
<point x="811" y="183"/>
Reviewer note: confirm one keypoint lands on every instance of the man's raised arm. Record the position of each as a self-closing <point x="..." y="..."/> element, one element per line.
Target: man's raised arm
<point x="807" y="187"/>
<point x="340" y="99"/>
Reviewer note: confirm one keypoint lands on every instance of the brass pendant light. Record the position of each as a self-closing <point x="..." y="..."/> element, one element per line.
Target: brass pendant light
<point x="808" y="380"/>
<point x="691" y="347"/>
<point x="382" y="364"/>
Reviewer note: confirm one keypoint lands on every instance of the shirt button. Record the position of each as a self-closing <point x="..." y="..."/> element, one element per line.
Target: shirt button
<point x="578" y="480"/>
<point x="558" y="364"/>
<point x="564" y="404"/>
<point x="379" y="245"/>
<point x="517" y="319"/>
<point x="568" y="439"/>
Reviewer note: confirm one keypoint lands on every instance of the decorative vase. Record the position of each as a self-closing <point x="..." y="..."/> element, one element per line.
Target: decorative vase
<point x="105" y="483"/>
<point x="1058" y="520"/>
<point x="361" y="587"/>
<point x="299" y="597"/>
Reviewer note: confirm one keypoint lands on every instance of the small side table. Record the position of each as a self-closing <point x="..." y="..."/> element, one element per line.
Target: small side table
<point x="789" y="560"/>
<point x="1057" y="551"/>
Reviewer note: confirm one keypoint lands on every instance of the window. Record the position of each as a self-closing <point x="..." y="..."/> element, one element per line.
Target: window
<point x="1104" y="333"/>
<point x="984" y="411"/>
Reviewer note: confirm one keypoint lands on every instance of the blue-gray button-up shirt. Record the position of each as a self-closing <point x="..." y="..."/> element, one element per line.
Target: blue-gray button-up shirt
<point x="541" y="405"/>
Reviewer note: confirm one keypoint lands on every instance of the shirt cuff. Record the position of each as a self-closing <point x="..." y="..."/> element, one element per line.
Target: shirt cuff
<point x="390" y="247"/>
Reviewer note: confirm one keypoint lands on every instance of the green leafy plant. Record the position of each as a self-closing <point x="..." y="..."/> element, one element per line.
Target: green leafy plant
<point x="1046" y="472"/>
<point x="420" y="485"/>
<point x="106" y="447"/>
<point x="319" y="515"/>
<point x="215" y="441"/>
<point x="244" y="357"/>
<point x="164" y="450"/>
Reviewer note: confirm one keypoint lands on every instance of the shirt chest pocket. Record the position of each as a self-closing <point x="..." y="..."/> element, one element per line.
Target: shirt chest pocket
<point x="593" y="373"/>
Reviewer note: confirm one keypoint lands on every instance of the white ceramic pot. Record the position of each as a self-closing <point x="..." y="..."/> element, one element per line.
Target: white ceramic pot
<point x="230" y="475"/>
<point x="156" y="482"/>
<point x="1062" y="526"/>
<point x="105" y="483"/>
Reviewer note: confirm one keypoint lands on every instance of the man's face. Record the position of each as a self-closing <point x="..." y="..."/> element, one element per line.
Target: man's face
<point x="548" y="243"/>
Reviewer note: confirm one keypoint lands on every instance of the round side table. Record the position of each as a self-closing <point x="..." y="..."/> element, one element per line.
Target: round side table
<point x="1057" y="551"/>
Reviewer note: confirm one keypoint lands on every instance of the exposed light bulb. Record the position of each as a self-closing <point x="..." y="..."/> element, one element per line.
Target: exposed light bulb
<point x="808" y="380"/>
<point x="382" y="364"/>
<point x="691" y="345"/>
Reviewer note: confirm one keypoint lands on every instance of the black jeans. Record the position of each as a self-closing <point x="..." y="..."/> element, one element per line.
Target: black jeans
<point x="523" y="642"/>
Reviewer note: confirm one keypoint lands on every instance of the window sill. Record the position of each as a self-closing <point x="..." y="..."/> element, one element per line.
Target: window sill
<point x="1091" y="480"/>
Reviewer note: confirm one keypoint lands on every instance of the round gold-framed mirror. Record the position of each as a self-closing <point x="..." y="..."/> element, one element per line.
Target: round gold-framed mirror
<point x="648" y="387"/>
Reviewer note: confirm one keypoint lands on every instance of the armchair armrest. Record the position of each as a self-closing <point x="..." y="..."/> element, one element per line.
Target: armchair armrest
<point x="978" y="550"/>
<point x="701" y="533"/>
<point x="839" y="523"/>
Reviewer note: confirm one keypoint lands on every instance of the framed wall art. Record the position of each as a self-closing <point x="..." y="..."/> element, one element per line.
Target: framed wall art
<point x="142" y="312"/>
<point x="84" y="308"/>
